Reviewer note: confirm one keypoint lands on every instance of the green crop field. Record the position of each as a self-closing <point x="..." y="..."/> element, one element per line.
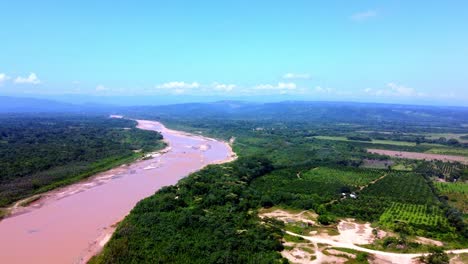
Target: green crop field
<point x="449" y="151"/>
<point x="302" y="189"/>
<point x="414" y="214"/>
<point x="403" y="187"/>
<point x="449" y="187"/>
<point x="395" y="187"/>
<point x="456" y="193"/>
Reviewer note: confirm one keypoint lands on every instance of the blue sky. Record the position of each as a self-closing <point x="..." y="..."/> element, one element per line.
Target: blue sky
<point x="380" y="51"/>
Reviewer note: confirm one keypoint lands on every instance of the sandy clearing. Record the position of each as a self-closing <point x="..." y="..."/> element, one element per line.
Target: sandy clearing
<point x="428" y="241"/>
<point x="297" y="255"/>
<point x="352" y="232"/>
<point x="419" y="155"/>
<point x="287" y="217"/>
<point x="390" y="257"/>
<point x="351" y="235"/>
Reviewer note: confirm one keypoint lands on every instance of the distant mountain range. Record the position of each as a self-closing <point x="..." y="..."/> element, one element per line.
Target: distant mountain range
<point x="302" y="111"/>
<point x="34" y="105"/>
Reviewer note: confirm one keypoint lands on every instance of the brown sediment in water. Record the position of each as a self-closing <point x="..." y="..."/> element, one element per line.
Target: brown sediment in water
<point x="71" y="224"/>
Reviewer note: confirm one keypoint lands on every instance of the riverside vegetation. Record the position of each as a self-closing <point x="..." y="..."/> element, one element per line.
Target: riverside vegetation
<point x="42" y="152"/>
<point x="289" y="158"/>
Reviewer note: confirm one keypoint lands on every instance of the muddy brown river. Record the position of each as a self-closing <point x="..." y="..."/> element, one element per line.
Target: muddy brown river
<point x="71" y="224"/>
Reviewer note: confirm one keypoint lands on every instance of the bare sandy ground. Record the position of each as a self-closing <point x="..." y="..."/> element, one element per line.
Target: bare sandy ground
<point x="351" y="235"/>
<point x="352" y="232"/>
<point x="419" y="156"/>
<point x="385" y="257"/>
<point x="287" y="217"/>
<point x="428" y="241"/>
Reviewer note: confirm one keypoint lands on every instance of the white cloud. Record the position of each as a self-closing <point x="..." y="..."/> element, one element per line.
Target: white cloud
<point x="291" y="75"/>
<point x="361" y="16"/>
<point x="178" y="85"/>
<point x="3" y="78"/>
<point x="401" y="90"/>
<point x="223" y="87"/>
<point x="279" y="86"/>
<point x="286" y="86"/>
<point x="394" y="90"/>
<point x="31" y="79"/>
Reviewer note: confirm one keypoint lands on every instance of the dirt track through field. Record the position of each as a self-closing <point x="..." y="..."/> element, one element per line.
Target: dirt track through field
<point x="397" y="258"/>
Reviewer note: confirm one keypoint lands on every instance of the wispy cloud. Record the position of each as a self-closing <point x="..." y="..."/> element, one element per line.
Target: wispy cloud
<point x="177" y="87"/>
<point x="31" y="79"/>
<point x="362" y="16"/>
<point x="394" y="90"/>
<point x="279" y="86"/>
<point x="223" y="87"/>
<point x="3" y="78"/>
<point x="291" y="75"/>
<point x="320" y="89"/>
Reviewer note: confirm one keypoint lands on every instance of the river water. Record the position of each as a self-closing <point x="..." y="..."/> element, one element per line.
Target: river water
<point x="71" y="224"/>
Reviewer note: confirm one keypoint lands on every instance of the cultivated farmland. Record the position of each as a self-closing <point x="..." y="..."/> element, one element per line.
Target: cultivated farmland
<point x="419" y="156"/>
<point x="414" y="214"/>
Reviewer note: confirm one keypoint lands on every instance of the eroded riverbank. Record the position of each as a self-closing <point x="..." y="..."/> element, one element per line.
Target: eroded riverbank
<point x="71" y="224"/>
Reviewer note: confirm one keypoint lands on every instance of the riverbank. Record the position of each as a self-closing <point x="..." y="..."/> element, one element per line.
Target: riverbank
<point x="73" y="223"/>
<point x="61" y="155"/>
<point x="99" y="243"/>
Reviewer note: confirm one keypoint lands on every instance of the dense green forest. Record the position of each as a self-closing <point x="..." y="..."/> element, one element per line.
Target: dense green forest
<point x="292" y="155"/>
<point x="205" y="218"/>
<point x="41" y="152"/>
<point x="310" y="170"/>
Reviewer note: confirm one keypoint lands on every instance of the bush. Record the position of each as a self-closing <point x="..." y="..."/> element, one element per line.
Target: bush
<point x="326" y="219"/>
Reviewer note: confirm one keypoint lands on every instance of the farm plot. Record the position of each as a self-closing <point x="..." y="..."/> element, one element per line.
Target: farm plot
<point x="414" y="214"/>
<point x="451" y="187"/>
<point x="304" y="189"/>
<point x="351" y="177"/>
<point x="395" y="187"/>
<point x="402" y="187"/>
<point x="449" y="151"/>
<point x="419" y="156"/>
<point x="373" y="141"/>
<point x="377" y="164"/>
<point x="456" y="193"/>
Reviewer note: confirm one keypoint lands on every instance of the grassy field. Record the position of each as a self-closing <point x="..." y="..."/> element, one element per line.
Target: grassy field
<point x="402" y="167"/>
<point x="449" y="151"/>
<point x="374" y="141"/>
